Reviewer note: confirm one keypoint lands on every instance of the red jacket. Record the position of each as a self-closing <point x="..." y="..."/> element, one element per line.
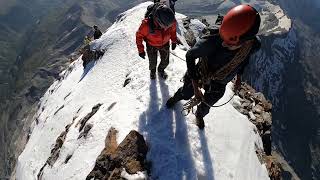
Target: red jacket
<point x="159" y="38"/>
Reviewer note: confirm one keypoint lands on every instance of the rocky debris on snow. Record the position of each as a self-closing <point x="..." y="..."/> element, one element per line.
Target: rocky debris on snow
<point x="126" y="82"/>
<point x="61" y="107"/>
<point x="274" y="168"/>
<point x="189" y="35"/>
<point x="67" y="96"/>
<point x="85" y="132"/>
<point x="129" y="155"/>
<point x="55" y="152"/>
<point x="84" y="120"/>
<point x="68" y="158"/>
<point x="258" y="110"/>
<point x="111" y="106"/>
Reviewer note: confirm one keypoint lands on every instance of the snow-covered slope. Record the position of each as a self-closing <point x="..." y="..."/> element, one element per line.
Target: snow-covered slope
<point x="178" y="150"/>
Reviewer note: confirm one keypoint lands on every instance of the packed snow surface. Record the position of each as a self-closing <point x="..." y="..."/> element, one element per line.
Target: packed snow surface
<point x="178" y="150"/>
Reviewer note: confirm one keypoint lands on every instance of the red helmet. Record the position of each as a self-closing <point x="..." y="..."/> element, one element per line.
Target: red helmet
<point x="239" y="24"/>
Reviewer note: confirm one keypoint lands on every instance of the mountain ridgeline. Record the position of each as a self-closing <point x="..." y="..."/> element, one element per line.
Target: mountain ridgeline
<point x="38" y="38"/>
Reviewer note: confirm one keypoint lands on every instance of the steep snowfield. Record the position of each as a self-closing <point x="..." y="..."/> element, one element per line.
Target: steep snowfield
<point x="178" y="150"/>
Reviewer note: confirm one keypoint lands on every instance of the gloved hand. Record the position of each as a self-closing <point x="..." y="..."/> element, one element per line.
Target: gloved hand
<point x="197" y="91"/>
<point x="173" y="46"/>
<point x="142" y="55"/>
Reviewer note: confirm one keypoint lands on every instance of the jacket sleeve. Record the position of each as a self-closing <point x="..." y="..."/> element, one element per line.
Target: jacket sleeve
<point x="201" y="49"/>
<point x="140" y="35"/>
<point x="174" y="33"/>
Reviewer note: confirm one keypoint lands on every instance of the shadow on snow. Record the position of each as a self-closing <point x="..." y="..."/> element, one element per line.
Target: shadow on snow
<point x="170" y="149"/>
<point x="86" y="70"/>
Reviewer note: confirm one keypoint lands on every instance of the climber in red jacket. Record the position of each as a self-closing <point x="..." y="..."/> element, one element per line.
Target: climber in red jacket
<point x="157" y="29"/>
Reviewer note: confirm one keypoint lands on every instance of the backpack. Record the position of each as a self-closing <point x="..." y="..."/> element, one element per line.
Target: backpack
<point x="151" y="10"/>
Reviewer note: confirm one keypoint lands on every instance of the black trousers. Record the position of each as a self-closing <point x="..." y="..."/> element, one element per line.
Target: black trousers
<point x="153" y="56"/>
<point x="213" y="92"/>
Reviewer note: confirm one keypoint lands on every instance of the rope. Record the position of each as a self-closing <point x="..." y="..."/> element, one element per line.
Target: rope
<point x="177" y="56"/>
<point x="188" y="107"/>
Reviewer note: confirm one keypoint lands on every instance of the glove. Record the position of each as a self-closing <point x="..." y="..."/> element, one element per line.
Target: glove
<point x="173" y="46"/>
<point x="197" y="91"/>
<point x="142" y="55"/>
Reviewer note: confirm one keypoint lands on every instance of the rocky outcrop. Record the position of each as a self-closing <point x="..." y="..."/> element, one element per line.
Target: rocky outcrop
<point x="55" y="152"/>
<point x="129" y="155"/>
<point x="258" y="110"/>
<point x="84" y="120"/>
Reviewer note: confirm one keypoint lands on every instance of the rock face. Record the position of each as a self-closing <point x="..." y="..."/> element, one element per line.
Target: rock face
<point x="129" y="155"/>
<point x="258" y="110"/>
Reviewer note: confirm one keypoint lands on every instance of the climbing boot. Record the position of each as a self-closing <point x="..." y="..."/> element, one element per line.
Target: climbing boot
<point x="200" y="122"/>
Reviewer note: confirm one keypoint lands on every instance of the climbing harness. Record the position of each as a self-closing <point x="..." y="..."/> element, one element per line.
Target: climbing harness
<point x="240" y="56"/>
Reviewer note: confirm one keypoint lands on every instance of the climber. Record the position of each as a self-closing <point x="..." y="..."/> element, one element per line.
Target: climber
<point x="157" y="29"/>
<point x="97" y="33"/>
<point x="222" y="56"/>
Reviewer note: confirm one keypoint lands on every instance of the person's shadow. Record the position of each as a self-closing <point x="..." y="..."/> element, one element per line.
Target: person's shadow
<point x="86" y="70"/>
<point x="166" y="133"/>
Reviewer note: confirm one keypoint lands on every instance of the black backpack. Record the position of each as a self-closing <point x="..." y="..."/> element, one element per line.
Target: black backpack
<point x="151" y="10"/>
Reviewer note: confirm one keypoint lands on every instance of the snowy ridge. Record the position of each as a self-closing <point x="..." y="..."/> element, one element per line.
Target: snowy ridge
<point x="178" y="150"/>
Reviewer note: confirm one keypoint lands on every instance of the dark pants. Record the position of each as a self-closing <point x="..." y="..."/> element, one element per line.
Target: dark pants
<point x="213" y="93"/>
<point x="153" y="56"/>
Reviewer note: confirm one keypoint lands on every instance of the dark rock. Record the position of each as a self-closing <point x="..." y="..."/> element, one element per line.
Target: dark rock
<point x="130" y="155"/>
<point x="132" y="152"/>
<point x="274" y="168"/>
<point x="104" y="163"/>
<point x="55" y="151"/>
<point x="67" y="96"/>
<point x="84" y="120"/>
<point x="86" y="130"/>
<point x="58" y="110"/>
<point x="68" y="158"/>
<point x="266" y="139"/>
<point x="126" y="82"/>
<point x="112" y="105"/>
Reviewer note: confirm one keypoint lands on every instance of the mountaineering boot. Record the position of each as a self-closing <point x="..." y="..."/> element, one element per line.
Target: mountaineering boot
<point x="163" y="74"/>
<point x="152" y="74"/>
<point x="200" y="122"/>
<point x="171" y="102"/>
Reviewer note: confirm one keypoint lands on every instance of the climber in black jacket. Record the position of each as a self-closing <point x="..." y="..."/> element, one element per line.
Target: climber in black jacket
<point x="221" y="56"/>
<point x="97" y="33"/>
